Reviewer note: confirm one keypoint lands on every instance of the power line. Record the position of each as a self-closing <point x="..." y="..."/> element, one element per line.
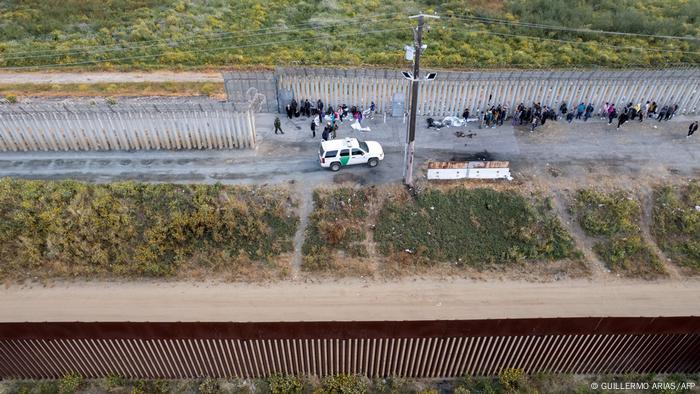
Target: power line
<point x="271" y="30"/>
<point x="572" y="29"/>
<point x="578" y="42"/>
<point x="198" y="50"/>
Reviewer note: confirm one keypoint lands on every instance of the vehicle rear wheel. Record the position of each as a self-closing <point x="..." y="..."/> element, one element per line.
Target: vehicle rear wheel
<point x="335" y="166"/>
<point x="373" y="162"/>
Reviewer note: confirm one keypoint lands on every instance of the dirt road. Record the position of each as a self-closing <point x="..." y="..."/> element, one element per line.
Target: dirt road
<point x="347" y="300"/>
<point x="109" y="77"/>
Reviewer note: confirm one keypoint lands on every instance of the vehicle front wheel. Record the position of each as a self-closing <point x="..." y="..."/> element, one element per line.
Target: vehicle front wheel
<point x="335" y="166"/>
<point x="373" y="162"/>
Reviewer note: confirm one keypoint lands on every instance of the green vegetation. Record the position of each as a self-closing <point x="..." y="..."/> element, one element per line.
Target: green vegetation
<point x="71" y="229"/>
<point x="614" y="219"/>
<point x="344" y="384"/>
<point x="509" y="381"/>
<point x="11" y="91"/>
<point x="472" y="227"/>
<point x="676" y="221"/>
<point x="338" y="223"/>
<point x="285" y="384"/>
<point x="189" y="33"/>
<point x="70" y="383"/>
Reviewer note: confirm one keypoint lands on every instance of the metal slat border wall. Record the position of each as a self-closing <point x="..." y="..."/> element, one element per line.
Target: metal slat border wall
<point x="455" y="90"/>
<point x="375" y="349"/>
<point x="125" y="127"/>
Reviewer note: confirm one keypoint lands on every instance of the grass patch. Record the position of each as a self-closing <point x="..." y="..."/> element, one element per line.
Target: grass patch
<point x="676" y="223"/>
<point x="129" y="230"/>
<point x="614" y="219"/>
<point x="187" y="33"/>
<point x="170" y="89"/>
<point x="337" y="230"/>
<point x="471" y="227"/>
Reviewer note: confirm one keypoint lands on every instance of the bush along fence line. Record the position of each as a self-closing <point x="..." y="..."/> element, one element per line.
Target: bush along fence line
<point x="454" y="91"/>
<point x="418" y="349"/>
<point x="54" y="127"/>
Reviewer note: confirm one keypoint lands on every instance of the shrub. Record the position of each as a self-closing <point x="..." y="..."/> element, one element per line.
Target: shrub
<point x="111" y="101"/>
<point x="70" y="383"/>
<point x="208" y="89"/>
<point x="209" y="386"/>
<point x="114" y="380"/>
<point x="510" y="378"/>
<point x="11" y="98"/>
<point x="344" y="384"/>
<point x="285" y="384"/>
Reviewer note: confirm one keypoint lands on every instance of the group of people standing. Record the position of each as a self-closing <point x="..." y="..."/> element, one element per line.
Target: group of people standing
<point x="331" y="116"/>
<point x="537" y="114"/>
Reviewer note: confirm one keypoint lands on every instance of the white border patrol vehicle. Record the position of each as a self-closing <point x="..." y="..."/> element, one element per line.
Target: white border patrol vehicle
<point x="337" y="153"/>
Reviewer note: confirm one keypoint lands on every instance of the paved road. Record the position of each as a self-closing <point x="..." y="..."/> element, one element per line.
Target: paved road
<point x="348" y="300"/>
<point x="281" y="158"/>
<point x="109" y="77"/>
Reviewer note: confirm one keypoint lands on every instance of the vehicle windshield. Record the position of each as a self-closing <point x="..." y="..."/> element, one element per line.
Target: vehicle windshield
<point x="363" y="146"/>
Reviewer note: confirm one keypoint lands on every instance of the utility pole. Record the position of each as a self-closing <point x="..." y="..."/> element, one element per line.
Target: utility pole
<point x="411" y="133"/>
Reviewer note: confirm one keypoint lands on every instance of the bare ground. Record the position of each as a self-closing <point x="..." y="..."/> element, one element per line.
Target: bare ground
<point x="346" y="300"/>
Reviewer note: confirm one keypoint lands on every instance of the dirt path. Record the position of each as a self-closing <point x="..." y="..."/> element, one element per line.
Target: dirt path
<point x="583" y="243"/>
<point x="109" y="77"/>
<point x="306" y="206"/>
<point x="647" y="202"/>
<point x="346" y="300"/>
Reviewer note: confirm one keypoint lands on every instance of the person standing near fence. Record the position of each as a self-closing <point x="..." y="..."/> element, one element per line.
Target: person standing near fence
<point x="589" y="112"/>
<point x="622" y="118"/>
<point x="612" y="113"/>
<point x="692" y="129"/>
<point x="278" y="125"/>
<point x="638" y="108"/>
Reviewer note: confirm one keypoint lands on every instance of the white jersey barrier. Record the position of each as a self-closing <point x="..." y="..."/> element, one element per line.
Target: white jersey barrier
<point x="469" y="170"/>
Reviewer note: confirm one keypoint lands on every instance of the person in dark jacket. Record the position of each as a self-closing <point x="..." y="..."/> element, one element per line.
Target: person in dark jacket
<point x="313" y="128"/>
<point x="589" y="112"/>
<point x="622" y="119"/>
<point x="319" y="107"/>
<point x="278" y="125"/>
<point x="662" y="113"/>
<point x="326" y="132"/>
<point x="465" y="114"/>
<point x="563" y="109"/>
<point x="692" y="128"/>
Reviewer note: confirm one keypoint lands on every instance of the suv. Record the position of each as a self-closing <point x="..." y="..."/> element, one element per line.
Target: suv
<point x="344" y="152"/>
